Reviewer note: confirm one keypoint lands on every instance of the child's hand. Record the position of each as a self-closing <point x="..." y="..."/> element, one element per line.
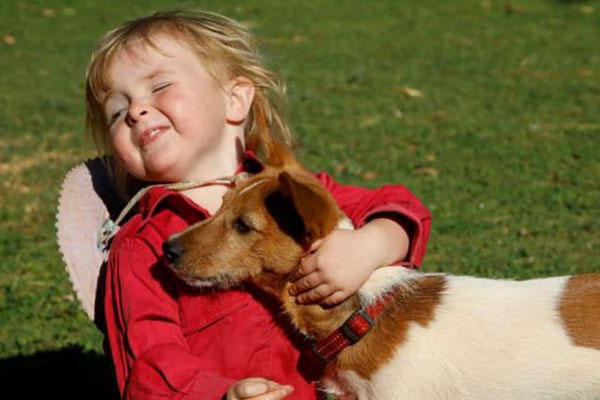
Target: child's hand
<point x="339" y="264"/>
<point x="257" y="389"/>
<point x="334" y="269"/>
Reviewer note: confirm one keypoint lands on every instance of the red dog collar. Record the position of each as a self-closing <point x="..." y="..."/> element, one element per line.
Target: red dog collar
<point x="350" y="332"/>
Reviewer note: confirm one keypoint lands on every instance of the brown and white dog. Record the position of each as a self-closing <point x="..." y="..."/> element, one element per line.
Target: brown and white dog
<point x="440" y="337"/>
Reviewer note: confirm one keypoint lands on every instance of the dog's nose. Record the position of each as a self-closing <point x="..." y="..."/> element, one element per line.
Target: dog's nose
<point x="172" y="250"/>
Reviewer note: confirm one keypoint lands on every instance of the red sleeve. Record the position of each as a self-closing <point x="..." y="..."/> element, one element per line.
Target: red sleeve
<point x="150" y="355"/>
<point x="360" y="205"/>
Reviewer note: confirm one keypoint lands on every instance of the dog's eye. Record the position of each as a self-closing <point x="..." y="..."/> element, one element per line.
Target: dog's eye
<point x="241" y="226"/>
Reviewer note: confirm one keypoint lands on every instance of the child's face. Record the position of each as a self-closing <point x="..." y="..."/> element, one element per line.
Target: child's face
<point x="167" y="116"/>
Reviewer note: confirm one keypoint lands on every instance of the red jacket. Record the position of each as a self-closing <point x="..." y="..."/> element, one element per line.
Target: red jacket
<point x="170" y="341"/>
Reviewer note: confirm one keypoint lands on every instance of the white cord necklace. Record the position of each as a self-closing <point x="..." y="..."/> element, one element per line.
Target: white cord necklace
<point x="110" y="228"/>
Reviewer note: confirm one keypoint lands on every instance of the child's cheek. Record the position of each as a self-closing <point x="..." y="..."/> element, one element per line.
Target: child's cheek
<point x="171" y="104"/>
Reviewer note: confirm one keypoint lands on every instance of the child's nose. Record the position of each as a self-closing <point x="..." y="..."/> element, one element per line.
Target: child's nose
<point x="136" y="113"/>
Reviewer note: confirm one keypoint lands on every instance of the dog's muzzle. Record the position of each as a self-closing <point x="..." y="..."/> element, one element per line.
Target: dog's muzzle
<point x="173" y="250"/>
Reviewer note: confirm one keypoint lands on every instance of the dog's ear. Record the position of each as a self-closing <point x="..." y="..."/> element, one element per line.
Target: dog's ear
<point x="273" y="152"/>
<point x="252" y="165"/>
<point x="312" y="202"/>
<point x="279" y="155"/>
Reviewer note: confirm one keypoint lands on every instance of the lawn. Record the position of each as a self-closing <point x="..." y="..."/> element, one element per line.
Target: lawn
<point x="487" y="110"/>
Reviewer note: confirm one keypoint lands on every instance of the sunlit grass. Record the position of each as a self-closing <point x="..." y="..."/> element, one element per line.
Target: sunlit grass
<point x="502" y="143"/>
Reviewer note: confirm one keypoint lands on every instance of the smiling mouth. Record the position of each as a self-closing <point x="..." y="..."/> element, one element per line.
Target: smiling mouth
<point x="151" y="135"/>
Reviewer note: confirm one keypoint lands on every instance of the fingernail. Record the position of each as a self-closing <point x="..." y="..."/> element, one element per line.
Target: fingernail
<point x="288" y="389"/>
<point x="255" y="388"/>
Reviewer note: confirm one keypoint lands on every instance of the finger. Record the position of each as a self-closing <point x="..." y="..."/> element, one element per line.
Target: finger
<point x="315" y="295"/>
<point x="305" y="283"/>
<point x="249" y="389"/>
<point x="276" y="394"/>
<point x="315" y="245"/>
<point x="307" y="265"/>
<point x="335" y="298"/>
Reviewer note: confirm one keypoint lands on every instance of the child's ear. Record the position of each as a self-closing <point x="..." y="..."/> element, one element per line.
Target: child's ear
<point x="240" y="91"/>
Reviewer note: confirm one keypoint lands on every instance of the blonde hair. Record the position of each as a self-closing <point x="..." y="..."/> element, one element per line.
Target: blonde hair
<point x="227" y="50"/>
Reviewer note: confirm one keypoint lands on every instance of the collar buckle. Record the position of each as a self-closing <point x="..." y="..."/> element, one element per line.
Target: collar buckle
<point x="357" y="326"/>
<point x="352" y="330"/>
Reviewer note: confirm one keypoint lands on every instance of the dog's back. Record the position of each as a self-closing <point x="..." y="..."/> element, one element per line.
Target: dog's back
<point x="490" y="339"/>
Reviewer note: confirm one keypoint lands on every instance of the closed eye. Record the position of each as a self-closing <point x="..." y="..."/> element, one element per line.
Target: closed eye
<point x="241" y="226"/>
<point x="160" y="87"/>
<point x="115" y="116"/>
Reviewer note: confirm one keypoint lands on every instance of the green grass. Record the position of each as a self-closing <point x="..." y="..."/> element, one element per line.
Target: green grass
<point x="504" y="145"/>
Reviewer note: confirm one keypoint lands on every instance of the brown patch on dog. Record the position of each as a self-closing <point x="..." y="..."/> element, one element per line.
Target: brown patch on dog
<point x="580" y="310"/>
<point x="415" y="305"/>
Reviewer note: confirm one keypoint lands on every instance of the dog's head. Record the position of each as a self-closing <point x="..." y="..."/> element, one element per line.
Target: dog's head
<point x="263" y="228"/>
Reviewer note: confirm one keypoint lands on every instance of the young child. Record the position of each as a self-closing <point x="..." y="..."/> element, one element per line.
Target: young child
<point x="185" y="97"/>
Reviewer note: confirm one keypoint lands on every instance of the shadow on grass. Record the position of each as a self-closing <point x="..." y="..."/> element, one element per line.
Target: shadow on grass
<point x="67" y="373"/>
